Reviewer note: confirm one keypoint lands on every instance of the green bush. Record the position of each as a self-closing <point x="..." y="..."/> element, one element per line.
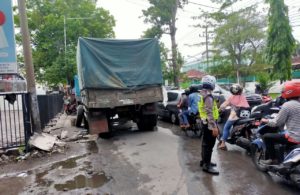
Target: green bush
<point x="264" y="80"/>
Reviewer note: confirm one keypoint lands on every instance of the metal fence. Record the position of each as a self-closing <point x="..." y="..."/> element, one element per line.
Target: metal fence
<point x="15" y="126"/>
<point x="49" y="106"/>
<point x="15" y="121"/>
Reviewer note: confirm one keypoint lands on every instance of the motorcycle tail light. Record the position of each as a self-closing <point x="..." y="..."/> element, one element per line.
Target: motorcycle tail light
<point x="256" y="123"/>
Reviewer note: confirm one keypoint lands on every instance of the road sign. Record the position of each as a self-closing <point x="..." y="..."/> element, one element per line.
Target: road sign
<point x="8" y="59"/>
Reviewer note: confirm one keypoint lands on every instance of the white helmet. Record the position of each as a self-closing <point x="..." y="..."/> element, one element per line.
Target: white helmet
<point x="209" y="82"/>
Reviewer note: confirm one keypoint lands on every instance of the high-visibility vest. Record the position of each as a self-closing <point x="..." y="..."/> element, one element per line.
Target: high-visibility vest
<point x="202" y="111"/>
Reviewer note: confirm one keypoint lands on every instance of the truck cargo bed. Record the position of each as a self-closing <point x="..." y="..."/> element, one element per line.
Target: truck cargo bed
<point x="111" y="98"/>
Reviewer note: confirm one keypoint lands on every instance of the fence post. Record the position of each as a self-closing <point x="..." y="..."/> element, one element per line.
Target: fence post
<point x="26" y="119"/>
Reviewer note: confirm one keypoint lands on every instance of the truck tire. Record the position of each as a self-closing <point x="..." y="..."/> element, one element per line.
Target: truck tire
<point x="85" y="123"/>
<point x="174" y="118"/>
<point x="80" y="116"/>
<point x="106" y="135"/>
<point x="147" y="122"/>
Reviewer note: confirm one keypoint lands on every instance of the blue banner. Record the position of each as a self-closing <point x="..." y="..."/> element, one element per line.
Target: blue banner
<point x="8" y="59"/>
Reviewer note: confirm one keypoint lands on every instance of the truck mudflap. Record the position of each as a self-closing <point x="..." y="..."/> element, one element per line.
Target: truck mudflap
<point x="98" y="122"/>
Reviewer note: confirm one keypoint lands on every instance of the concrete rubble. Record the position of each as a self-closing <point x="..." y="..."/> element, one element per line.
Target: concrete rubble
<point x="53" y="139"/>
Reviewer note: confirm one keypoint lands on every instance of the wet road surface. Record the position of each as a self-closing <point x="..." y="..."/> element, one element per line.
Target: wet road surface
<point x="165" y="161"/>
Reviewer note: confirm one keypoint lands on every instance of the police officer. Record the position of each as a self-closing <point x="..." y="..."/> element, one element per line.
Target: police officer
<point x="209" y="114"/>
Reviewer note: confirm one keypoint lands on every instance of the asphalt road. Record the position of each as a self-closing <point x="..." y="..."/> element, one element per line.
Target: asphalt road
<point x="165" y="161"/>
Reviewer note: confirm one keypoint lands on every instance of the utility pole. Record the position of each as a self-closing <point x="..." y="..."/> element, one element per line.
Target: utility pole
<point x="29" y="66"/>
<point x="206" y="44"/>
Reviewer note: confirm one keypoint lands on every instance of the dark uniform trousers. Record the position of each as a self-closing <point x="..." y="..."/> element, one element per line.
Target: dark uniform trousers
<point x="208" y="142"/>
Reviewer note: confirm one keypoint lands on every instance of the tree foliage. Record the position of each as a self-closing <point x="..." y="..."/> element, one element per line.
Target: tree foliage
<point x="264" y="80"/>
<point x="239" y="37"/>
<point x="162" y="15"/>
<point x="280" y="41"/>
<point x="46" y="23"/>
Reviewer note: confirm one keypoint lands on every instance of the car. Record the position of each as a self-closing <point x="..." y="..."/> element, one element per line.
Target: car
<point x="169" y="110"/>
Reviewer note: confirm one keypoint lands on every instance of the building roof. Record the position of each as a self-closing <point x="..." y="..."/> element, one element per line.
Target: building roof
<point x="195" y="74"/>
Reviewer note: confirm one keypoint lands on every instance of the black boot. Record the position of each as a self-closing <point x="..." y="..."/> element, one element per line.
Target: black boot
<point x="211" y="164"/>
<point x="210" y="170"/>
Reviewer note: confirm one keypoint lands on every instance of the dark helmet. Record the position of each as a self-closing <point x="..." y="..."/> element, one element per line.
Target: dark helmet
<point x="193" y="89"/>
<point x="187" y="92"/>
<point x="236" y="89"/>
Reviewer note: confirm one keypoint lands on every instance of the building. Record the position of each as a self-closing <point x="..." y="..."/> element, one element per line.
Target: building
<point x="194" y="65"/>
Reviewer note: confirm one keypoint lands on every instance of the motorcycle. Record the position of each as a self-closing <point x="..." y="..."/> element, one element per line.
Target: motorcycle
<point x="266" y="98"/>
<point x="241" y="131"/>
<point x="195" y="125"/>
<point x="266" y="109"/>
<point x="70" y="106"/>
<point x="288" y="156"/>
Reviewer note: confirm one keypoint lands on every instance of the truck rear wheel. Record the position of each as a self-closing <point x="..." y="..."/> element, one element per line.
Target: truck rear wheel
<point x="106" y="135"/>
<point x="80" y="116"/>
<point x="147" y="122"/>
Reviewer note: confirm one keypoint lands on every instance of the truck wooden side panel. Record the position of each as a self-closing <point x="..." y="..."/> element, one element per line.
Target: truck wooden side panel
<point x="104" y="98"/>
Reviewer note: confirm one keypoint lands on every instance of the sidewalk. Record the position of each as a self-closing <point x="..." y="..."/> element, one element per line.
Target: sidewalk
<point x="72" y="141"/>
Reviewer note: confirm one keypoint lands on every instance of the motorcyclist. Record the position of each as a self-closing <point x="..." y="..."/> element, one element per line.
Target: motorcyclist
<point x="193" y="100"/>
<point x="288" y="116"/>
<point x="209" y="114"/>
<point x="258" y="89"/>
<point x="237" y="102"/>
<point x="183" y="107"/>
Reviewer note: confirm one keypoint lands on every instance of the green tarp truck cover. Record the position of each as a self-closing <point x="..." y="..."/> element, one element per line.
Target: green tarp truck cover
<point x="118" y="64"/>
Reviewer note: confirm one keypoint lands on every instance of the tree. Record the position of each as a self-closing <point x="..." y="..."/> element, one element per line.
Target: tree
<point x="264" y="81"/>
<point x="280" y="41"/>
<point x="46" y="22"/>
<point x="239" y="36"/>
<point x="162" y="14"/>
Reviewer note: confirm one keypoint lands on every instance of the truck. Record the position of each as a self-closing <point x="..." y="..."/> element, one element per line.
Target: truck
<point x="119" y="81"/>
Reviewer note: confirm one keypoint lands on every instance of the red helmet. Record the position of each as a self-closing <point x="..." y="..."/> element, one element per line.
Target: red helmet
<point x="291" y="89"/>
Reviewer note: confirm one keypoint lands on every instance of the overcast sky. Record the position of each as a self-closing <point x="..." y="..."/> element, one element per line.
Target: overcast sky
<point x="130" y="25"/>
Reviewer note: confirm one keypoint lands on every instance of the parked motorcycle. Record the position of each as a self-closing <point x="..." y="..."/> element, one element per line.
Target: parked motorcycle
<point x="288" y="156"/>
<point x="70" y="106"/>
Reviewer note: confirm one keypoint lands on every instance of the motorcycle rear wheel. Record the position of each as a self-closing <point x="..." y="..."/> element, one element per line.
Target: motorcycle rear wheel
<point x="257" y="154"/>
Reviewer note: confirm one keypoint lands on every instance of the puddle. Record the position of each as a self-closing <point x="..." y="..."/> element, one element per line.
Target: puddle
<point x="42" y="182"/>
<point x="67" y="164"/>
<point x="81" y="181"/>
<point x="92" y="147"/>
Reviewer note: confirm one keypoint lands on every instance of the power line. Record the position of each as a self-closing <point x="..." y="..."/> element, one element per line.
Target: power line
<point x="202" y="5"/>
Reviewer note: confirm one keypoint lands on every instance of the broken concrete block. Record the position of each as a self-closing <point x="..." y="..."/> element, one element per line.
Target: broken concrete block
<point x="64" y="134"/>
<point x="73" y="121"/>
<point x="5" y="158"/>
<point x="47" y="130"/>
<point x="42" y="141"/>
<point x="60" y="143"/>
